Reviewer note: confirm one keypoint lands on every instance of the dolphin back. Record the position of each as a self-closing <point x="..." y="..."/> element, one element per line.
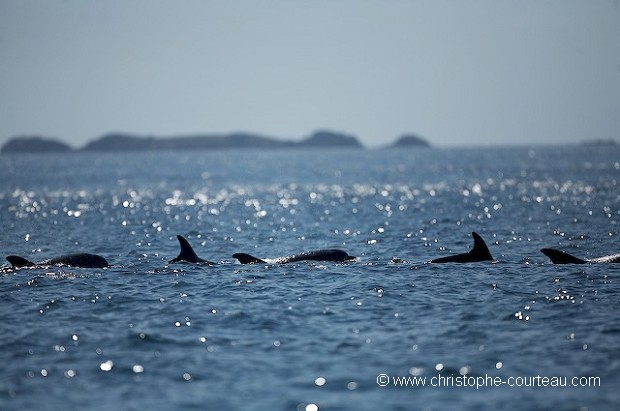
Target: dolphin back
<point x="332" y="254"/>
<point x="479" y="252"/>
<point x="560" y="257"/>
<point x="83" y="260"/>
<point x="244" y="258"/>
<point x="615" y="258"/>
<point x="18" y="262"/>
<point x="318" y="255"/>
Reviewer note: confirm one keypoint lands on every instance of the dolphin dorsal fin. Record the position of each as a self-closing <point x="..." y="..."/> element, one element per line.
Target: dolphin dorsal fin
<point x="560" y="257"/>
<point x="19" y="262"/>
<point x="480" y="248"/>
<point x="248" y="259"/>
<point x="187" y="252"/>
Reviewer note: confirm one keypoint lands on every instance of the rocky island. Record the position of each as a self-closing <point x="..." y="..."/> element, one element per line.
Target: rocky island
<point x="127" y="142"/>
<point x="410" y="141"/>
<point x="34" y="144"/>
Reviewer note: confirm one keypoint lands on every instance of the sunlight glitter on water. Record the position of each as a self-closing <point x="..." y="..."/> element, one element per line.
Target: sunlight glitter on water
<point x="424" y="210"/>
<point x="106" y="366"/>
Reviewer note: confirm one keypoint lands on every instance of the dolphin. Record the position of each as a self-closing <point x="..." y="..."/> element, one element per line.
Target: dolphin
<point x="187" y="253"/>
<point x="83" y="260"/>
<point x="331" y="254"/>
<point x="479" y="252"/>
<point x="560" y="257"/>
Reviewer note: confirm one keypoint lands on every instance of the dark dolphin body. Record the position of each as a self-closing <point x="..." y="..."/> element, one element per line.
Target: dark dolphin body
<point x="319" y="255"/>
<point x="83" y="260"/>
<point x="187" y="253"/>
<point x="479" y="252"/>
<point x="560" y="257"/>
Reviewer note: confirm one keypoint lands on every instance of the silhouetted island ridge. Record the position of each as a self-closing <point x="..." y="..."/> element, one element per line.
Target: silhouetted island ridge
<point x="128" y="142"/>
<point x="35" y="145"/>
<point x="410" y="141"/>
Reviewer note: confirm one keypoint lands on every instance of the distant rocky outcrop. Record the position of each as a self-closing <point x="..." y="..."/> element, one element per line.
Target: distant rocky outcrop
<point x="128" y="142"/>
<point x="410" y="141"/>
<point x="326" y="138"/>
<point x="218" y="142"/>
<point x="119" y="141"/>
<point x="34" y="144"/>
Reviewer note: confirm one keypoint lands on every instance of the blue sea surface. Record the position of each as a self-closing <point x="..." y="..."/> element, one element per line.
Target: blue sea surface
<point x="145" y="334"/>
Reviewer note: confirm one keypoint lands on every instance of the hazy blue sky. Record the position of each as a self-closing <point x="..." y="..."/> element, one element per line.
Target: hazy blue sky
<point x="455" y="72"/>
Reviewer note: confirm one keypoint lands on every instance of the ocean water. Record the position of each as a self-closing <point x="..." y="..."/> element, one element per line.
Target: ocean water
<point x="145" y="334"/>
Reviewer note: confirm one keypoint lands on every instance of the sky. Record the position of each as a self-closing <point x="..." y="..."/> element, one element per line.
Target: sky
<point x="478" y="72"/>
